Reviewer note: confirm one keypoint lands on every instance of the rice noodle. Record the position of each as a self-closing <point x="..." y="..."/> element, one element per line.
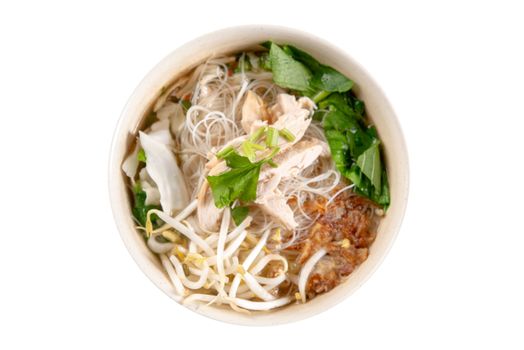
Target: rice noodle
<point x="201" y="259"/>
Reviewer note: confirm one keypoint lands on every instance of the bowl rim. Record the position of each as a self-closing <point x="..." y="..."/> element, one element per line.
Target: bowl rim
<point x="115" y="173"/>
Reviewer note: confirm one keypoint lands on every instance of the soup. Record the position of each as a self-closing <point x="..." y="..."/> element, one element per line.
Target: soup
<point x="258" y="180"/>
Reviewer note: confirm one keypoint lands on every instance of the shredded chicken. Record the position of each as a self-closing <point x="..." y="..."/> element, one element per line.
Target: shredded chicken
<point x="271" y="200"/>
<point x="207" y="213"/>
<point x="290" y="163"/>
<point x="288" y="104"/>
<point x="295" y="156"/>
<point x="294" y="159"/>
<point x="254" y="109"/>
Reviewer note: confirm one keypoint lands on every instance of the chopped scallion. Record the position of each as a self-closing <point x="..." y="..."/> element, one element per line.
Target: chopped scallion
<point x="273" y="152"/>
<point x="257" y="146"/>
<point x="224" y="152"/>
<point x="272" y="137"/>
<point x="287" y="135"/>
<point x="256" y="135"/>
<point x="272" y="164"/>
<point x="248" y="151"/>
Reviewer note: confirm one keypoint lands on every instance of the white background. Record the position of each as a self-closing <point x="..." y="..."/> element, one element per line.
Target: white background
<point x="455" y="75"/>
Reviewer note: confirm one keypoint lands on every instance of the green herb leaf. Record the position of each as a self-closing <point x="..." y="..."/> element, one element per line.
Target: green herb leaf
<point x="235" y="160"/>
<point x="141" y="156"/>
<point x="267" y="44"/>
<point x="339" y="121"/>
<point x="140" y="209"/>
<point x="243" y="64"/>
<point x="324" y="77"/>
<point x="248" y="151"/>
<point x="370" y="165"/>
<point x="239" y="214"/>
<point x="359" y="141"/>
<point x="342" y="103"/>
<point x="239" y="183"/>
<point x="339" y="148"/>
<point x="288" y="72"/>
<point x="186" y="104"/>
<point x="328" y="79"/>
<point x="354" y="146"/>
<point x="224" y="152"/>
<point x="264" y="61"/>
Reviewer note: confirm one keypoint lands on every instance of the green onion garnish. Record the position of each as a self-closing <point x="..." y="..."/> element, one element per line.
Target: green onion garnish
<point x="224" y="152"/>
<point x="287" y="135"/>
<point x="272" y="163"/>
<point x="272" y="137"/>
<point x="257" y="146"/>
<point x="320" y="96"/>
<point x="273" y="153"/>
<point x="248" y="151"/>
<point x="256" y="135"/>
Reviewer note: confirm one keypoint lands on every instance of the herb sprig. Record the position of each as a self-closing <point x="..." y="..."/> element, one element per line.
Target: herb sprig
<point x="355" y="146"/>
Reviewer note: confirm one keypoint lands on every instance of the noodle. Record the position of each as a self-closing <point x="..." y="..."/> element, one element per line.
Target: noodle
<point x="251" y="263"/>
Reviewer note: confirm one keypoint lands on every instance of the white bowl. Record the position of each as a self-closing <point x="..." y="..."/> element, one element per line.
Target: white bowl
<point x="235" y="39"/>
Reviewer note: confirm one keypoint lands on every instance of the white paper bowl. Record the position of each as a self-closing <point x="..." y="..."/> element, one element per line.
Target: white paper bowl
<point x="232" y="40"/>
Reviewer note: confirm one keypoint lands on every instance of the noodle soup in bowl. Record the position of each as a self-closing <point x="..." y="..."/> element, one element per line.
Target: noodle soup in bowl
<point x="249" y="182"/>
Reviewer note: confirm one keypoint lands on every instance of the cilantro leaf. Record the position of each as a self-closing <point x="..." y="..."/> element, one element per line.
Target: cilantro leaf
<point x="239" y="214"/>
<point x="238" y="183"/>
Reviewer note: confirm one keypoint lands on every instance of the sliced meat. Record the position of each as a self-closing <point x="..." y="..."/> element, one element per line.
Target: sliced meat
<point x="288" y="104"/>
<point x="207" y="213"/>
<point x="271" y="200"/>
<point x="290" y="163"/>
<point x="296" y="123"/>
<point x="254" y="109"/>
<point x="276" y="206"/>
<point x="295" y="159"/>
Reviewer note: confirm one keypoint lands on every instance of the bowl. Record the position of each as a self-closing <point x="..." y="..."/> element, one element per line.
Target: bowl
<point x="234" y="39"/>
